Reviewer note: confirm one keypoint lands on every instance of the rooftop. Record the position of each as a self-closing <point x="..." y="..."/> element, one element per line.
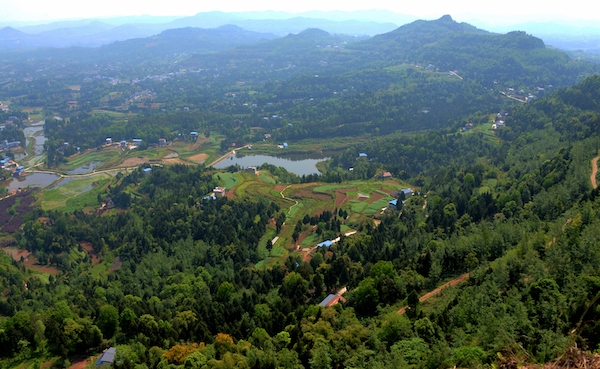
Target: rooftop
<point x="107" y="357"/>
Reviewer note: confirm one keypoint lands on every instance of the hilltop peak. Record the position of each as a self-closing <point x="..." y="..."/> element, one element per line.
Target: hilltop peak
<point x="314" y="32"/>
<point x="446" y="18"/>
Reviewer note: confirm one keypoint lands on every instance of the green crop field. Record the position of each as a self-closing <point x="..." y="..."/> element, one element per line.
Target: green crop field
<point x="75" y="194"/>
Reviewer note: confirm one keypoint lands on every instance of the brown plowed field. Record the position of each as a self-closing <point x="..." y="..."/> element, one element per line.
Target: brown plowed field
<point x="314" y="195"/>
<point x="87" y="246"/>
<point x="375" y="197"/>
<point x="198" y="158"/>
<point x="132" y="162"/>
<point x="342" y="196"/>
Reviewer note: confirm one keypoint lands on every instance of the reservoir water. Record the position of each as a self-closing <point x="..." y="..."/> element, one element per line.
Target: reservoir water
<point x="299" y="167"/>
<point x="32" y="180"/>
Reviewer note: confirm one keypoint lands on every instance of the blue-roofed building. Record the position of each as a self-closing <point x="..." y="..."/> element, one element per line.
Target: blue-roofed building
<point x="107" y="357"/>
<point x="210" y="197"/>
<point x="285" y="145"/>
<point x="362" y="155"/>
<point x="327" y="243"/>
<point x="147" y="170"/>
<point x="123" y="144"/>
<point x="393" y="204"/>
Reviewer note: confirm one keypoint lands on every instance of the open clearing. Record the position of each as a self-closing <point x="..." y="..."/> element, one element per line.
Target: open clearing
<point x="198" y="158"/>
<point x="132" y="162"/>
<point x="29" y="260"/>
<point x="87" y="246"/>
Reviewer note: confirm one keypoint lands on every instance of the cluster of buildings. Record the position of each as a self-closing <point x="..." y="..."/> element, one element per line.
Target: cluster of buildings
<point x="404" y="193"/>
<point x="5" y="145"/>
<point x="499" y="120"/>
<point x="8" y="164"/>
<point x="523" y="96"/>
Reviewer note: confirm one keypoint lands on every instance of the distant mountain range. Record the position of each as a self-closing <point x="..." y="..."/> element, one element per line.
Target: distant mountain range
<point x="98" y="32"/>
<point x="102" y="32"/>
<point x="442" y="45"/>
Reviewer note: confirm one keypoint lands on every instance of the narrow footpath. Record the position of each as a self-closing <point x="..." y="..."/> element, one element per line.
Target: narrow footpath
<point x="287" y="198"/>
<point x="594" y="172"/>
<point x="429" y="295"/>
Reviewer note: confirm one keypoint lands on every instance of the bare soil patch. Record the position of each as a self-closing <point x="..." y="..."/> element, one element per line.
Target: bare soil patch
<point x="594" y="172"/>
<point x="314" y="195"/>
<point x="175" y="161"/>
<point x="132" y="162"/>
<point x="16" y="254"/>
<point x="117" y="264"/>
<point x="429" y="295"/>
<point x="43" y="269"/>
<point x="307" y="253"/>
<point x="375" y="197"/>
<point x="199" y="158"/>
<point x="341" y="196"/>
<point x="279" y="188"/>
<point x="31" y="263"/>
<point x="83" y="362"/>
<point x="87" y="246"/>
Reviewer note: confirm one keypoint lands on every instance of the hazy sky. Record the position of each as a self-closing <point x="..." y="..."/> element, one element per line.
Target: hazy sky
<point x="507" y="10"/>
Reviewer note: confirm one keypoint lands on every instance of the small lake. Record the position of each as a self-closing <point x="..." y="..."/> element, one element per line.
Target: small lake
<point x="39" y="143"/>
<point x="32" y="180"/>
<point x="297" y="166"/>
<point x="86" y="168"/>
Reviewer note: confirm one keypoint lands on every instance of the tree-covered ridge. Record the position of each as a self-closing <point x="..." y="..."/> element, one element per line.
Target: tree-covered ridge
<point x="512" y="59"/>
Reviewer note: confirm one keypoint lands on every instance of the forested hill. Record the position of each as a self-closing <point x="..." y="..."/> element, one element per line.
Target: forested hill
<point x="513" y="58"/>
<point x="188" y="40"/>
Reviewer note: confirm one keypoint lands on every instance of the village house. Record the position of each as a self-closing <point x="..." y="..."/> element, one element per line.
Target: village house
<point x="334" y="298"/>
<point x="219" y="192"/>
<point x="408" y="192"/>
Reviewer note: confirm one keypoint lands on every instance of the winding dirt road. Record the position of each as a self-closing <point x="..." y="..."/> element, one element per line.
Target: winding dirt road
<point x="429" y="295"/>
<point x="594" y="172"/>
